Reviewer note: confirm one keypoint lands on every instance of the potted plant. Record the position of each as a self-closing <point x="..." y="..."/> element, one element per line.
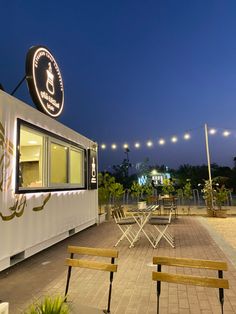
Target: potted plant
<point x="142" y="193"/>
<point x="168" y="187"/>
<point x="148" y="192"/>
<point x="49" y="305"/>
<point x="103" y="199"/>
<point x="215" y="196"/>
<point x="187" y="193"/>
<point x="136" y="192"/>
<point x="221" y="196"/>
<point x="142" y="203"/>
<point x="104" y="182"/>
<point x="116" y="193"/>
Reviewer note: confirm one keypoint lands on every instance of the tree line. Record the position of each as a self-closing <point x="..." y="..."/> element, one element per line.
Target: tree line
<point x="125" y="174"/>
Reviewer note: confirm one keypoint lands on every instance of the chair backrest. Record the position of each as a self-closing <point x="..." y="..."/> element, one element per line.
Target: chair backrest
<point x="118" y="214"/>
<point x="169" y="202"/>
<point x="153" y="200"/>
<point x="203" y="281"/>
<point x="92" y="264"/>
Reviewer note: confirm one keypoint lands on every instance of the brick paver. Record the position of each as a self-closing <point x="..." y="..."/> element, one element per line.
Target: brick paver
<point x="133" y="289"/>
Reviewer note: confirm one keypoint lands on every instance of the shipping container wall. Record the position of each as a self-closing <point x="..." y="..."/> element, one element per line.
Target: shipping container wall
<point x="30" y="222"/>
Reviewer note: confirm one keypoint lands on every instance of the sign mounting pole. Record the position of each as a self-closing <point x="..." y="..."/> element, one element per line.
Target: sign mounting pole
<point x="13" y="92"/>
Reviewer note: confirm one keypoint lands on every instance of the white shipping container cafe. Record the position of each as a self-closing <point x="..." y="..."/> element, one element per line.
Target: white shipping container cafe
<point x="48" y="181"/>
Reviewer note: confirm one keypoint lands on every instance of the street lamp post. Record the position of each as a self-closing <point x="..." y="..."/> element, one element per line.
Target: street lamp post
<point x="208" y="154"/>
<point x="208" y="163"/>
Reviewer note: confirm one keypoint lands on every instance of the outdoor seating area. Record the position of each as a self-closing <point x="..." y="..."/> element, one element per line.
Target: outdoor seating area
<point x="133" y="287"/>
<point x="143" y="222"/>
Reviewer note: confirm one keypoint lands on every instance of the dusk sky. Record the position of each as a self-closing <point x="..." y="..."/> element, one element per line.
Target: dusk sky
<point x="134" y="71"/>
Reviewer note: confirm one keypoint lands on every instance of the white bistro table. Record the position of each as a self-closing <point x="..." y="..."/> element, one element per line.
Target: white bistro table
<point x="141" y="216"/>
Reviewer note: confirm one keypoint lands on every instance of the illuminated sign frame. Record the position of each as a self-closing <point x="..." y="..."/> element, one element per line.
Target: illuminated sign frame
<point x="92" y="169"/>
<point x="44" y="81"/>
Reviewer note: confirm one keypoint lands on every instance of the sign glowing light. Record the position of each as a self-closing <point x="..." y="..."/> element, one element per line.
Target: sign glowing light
<point x="44" y="81"/>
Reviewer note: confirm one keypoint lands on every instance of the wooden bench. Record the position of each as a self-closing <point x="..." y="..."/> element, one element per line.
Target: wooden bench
<point x="91" y="264"/>
<point x="212" y="282"/>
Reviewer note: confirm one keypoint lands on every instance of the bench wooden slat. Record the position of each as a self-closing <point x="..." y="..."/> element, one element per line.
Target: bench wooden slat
<point x="189" y="262"/>
<point x="92" y="251"/>
<point x="91" y="264"/>
<point x="191" y="280"/>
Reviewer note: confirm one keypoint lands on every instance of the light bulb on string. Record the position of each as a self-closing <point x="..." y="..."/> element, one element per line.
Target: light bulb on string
<point x="226" y="133"/>
<point x="212" y="131"/>
<point x="103" y="146"/>
<point x="161" y="141"/>
<point x="149" y="144"/>
<point x="187" y="136"/>
<point x="174" y="139"/>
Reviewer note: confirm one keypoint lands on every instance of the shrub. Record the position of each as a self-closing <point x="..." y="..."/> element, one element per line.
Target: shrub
<point x="49" y="305"/>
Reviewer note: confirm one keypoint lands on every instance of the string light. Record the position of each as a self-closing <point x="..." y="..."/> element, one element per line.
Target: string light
<point x="161" y="141"/>
<point x="212" y="131"/>
<point x="149" y="143"/>
<point x="187" y="136"/>
<point x="226" y="133"/>
<point x="174" y="139"/>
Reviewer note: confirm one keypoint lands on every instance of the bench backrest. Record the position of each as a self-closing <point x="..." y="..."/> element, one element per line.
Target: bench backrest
<point x="203" y="281"/>
<point x="92" y="264"/>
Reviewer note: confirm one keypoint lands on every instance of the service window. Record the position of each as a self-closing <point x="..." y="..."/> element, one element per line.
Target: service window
<point x="58" y="164"/>
<point x="76" y="167"/>
<point x="47" y="161"/>
<point x="31" y="158"/>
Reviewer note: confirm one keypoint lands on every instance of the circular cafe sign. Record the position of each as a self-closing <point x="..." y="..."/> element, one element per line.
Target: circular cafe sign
<point x="44" y="80"/>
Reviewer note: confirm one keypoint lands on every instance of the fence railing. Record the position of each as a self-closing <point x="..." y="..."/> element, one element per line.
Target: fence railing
<point x="196" y="200"/>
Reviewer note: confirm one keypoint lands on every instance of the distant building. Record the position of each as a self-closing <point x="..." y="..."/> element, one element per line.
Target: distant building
<point x="154" y="177"/>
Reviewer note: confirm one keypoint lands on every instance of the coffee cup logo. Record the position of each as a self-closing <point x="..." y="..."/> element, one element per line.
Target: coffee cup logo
<point x="45" y="81"/>
<point x="50" y="79"/>
<point x="93" y="169"/>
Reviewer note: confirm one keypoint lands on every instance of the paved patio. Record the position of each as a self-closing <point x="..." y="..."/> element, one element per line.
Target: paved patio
<point x="133" y="289"/>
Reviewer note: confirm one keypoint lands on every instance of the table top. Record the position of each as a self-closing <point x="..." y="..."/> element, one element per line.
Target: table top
<point x="143" y="210"/>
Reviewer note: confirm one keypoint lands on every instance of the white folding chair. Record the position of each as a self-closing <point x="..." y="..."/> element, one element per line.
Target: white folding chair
<point x="161" y="225"/>
<point x="125" y="224"/>
<point x="170" y="203"/>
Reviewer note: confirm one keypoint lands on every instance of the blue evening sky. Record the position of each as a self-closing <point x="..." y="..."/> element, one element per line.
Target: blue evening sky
<point x="134" y="71"/>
